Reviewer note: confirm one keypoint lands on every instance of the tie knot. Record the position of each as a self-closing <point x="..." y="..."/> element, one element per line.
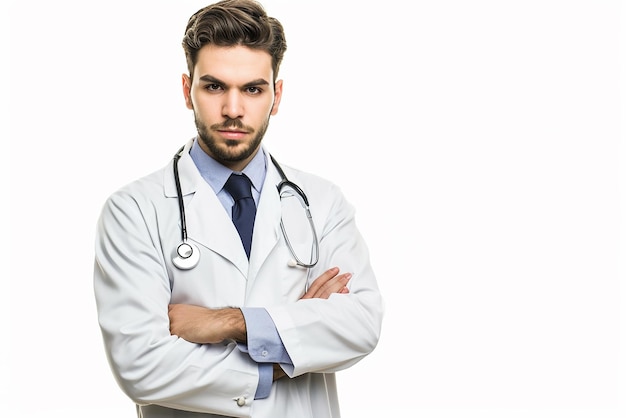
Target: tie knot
<point x="238" y="185"/>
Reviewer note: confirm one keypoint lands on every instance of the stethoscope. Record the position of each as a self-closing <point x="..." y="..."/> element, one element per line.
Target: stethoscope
<point x="187" y="254"/>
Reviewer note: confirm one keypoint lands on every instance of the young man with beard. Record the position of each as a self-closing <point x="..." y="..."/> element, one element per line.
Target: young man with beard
<point x="202" y="316"/>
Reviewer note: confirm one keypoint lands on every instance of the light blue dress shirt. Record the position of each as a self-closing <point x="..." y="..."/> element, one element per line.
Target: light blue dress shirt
<point x="264" y="344"/>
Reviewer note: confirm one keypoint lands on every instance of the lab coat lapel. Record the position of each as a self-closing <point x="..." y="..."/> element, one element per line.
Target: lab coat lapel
<point x="267" y="224"/>
<point x="208" y="224"/>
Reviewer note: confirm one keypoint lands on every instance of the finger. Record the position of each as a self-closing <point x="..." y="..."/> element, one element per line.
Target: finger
<point x="336" y="285"/>
<point x="320" y="281"/>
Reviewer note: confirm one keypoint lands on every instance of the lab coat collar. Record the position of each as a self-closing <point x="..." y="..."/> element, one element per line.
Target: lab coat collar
<point x="209" y="225"/>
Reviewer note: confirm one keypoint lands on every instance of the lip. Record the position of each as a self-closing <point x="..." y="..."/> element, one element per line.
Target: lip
<point x="232" y="134"/>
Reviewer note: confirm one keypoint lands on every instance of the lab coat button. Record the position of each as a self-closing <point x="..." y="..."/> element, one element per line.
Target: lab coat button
<point x="241" y="401"/>
<point x="264" y="353"/>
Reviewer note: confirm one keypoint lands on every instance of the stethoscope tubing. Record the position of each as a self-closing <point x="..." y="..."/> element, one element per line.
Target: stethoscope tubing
<point x="187" y="255"/>
<point x="179" y="193"/>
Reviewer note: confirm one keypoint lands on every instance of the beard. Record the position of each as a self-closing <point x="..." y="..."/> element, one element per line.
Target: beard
<point x="230" y="150"/>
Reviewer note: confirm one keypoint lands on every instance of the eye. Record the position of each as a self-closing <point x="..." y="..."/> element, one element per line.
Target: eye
<point x="213" y="87"/>
<point x="253" y="90"/>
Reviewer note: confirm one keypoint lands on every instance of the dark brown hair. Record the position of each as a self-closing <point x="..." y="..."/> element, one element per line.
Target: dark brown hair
<point x="231" y="23"/>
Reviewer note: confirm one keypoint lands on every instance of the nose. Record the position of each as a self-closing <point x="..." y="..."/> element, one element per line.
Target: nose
<point x="233" y="104"/>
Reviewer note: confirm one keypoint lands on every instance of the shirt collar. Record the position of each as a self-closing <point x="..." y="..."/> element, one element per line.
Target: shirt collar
<point x="216" y="174"/>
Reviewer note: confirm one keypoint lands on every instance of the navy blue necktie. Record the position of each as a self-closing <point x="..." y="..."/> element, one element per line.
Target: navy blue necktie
<point x="244" y="209"/>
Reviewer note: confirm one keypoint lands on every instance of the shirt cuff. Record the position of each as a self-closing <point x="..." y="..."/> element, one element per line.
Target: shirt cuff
<point x="264" y="343"/>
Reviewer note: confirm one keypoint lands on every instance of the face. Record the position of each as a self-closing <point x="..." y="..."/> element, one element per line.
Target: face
<point x="232" y="96"/>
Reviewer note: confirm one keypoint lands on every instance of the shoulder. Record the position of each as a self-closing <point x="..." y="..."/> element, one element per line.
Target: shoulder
<point x="322" y="193"/>
<point x="140" y="192"/>
<point x="311" y="182"/>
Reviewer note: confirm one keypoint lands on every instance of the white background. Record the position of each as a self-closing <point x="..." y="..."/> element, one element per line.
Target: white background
<point x="500" y="120"/>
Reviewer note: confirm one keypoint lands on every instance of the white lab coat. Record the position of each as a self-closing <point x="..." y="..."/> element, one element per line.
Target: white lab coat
<point x="135" y="280"/>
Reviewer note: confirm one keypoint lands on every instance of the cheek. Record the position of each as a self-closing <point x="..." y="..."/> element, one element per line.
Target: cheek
<point x="266" y="109"/>
<point x="204" y="105"/>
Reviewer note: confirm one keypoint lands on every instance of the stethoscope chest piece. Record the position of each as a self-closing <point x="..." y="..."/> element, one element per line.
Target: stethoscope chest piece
<point x="186" y="256"/>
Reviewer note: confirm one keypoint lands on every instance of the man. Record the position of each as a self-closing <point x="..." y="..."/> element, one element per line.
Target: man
<point x="200" y="314"/>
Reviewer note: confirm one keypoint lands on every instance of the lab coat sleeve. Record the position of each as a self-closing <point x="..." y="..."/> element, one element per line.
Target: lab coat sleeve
<point x="132" y="291"/>
<point x="328" y="335"/>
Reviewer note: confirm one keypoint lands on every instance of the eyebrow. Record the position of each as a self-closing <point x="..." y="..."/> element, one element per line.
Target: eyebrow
<point x="258" y="82"/>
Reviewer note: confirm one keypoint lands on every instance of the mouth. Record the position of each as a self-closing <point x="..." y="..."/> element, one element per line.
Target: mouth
<point x="232" y="133"/>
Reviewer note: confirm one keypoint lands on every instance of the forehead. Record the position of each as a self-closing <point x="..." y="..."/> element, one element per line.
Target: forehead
<point x="233" y="64"/>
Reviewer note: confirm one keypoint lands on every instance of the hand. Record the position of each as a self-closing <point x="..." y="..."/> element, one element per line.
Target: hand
<point x="211" y="326"/>
<point x="328" y="283"/>
<point x="206" y="326"/>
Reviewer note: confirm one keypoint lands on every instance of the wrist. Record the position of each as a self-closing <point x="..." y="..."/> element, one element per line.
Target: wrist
<point x="235" y="325"/>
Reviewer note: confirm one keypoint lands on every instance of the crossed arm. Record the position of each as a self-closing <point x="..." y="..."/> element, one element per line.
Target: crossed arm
<point x="211" y="326"/>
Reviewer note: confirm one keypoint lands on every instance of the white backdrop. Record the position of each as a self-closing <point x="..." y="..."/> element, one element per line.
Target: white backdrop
<point x="501" y="120"/>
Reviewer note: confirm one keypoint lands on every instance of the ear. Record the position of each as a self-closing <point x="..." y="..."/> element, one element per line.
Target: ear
<point x="187" y="91"/>
<point x="278" y="94"/>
